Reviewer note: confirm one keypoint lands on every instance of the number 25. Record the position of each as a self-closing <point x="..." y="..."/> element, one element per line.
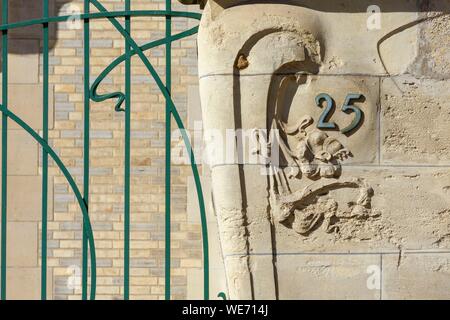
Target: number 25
<point x="348" y="107"/>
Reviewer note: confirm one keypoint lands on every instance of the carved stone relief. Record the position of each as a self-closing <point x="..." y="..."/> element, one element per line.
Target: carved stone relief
<point x="317" y="157"/>
<point x="314" y="183"/>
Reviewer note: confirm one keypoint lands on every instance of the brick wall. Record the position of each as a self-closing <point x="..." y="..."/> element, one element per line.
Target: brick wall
<point x="107" y="160"/>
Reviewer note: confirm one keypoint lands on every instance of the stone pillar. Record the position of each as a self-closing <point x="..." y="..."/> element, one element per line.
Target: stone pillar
<point x="331" y="172"/>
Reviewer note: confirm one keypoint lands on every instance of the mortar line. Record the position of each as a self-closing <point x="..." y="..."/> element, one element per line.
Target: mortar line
<point x="367" y="75"/>
<point x="415" y="252"/>
<point x="368" y="166"/>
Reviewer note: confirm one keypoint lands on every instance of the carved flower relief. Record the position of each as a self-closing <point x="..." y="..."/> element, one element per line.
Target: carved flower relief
<point x="316" y="156"/>
<point x="314" y="153"/>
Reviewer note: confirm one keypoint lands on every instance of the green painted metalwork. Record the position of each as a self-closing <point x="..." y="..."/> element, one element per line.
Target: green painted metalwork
<point x="87" y="226"/>
<point x="168" y="151"/>
<point x="44" y="156"/>
<point x="90" y="93"/>
<point x="126" y="259"/>
<point x="100" y="15"/>
<point x="4" y="146"/>
<point x="84" y="252"/>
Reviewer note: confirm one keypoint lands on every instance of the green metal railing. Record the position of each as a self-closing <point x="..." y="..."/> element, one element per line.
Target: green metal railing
<point x="90" y="94"/>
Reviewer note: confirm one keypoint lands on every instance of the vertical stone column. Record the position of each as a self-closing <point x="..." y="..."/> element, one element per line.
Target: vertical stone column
<point x="328" y="78"/>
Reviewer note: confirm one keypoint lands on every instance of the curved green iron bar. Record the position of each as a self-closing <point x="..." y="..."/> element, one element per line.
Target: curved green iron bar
<point x="4" y="182"/>
<point x="137" y="50"/>
<point x="187" y="143"/>
<point x="168" y="164"/>
<point x="126" y="228"/>
<point x="44" y="153"/>
<point x="222" y="295"/>
<point x="100" y="15"/>
<point x="87" y="225"/>
<point x="119" y="95"/>
<point x="86" y="150"/>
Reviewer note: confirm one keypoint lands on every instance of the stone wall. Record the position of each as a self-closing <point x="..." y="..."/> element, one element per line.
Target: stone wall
<point x="317" y="209"/>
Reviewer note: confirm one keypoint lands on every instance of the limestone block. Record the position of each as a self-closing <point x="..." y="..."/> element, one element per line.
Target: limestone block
<point x="25" y="198"/>
<point x="273" y="86"/>
<point x="264" y="277"/>
<point x="385" y="222"/>
<point x="239" y="278"/>
<point x="433" y="58"/>
<point x="406" y="208"/>
<point x="217" y="283"/>
<point x="295" y="101"/>
<point x="244" y="228"/>
<point x="228" y="204"/>
<point x="26" y="101"/>
<point x="414" y="121"/>
<point x="416" y="275"/>
<point x="22" y="242"/>
<point x="194" y="284"/>
<point x="219" y="148"/>
<point x="220" y="116"/>
<point x="194" y="106"/>
<point x="25" y="284"/>
<point x="194" y="123"/>
<point x="341" y="32"/>
<point x="193" y="209"/>
<point x="23" y="61"/>
<point x="215" y="254"/>
<point x="22" y="153"/>
<point x="328" y="277"/>
<point x="258" y="283"/>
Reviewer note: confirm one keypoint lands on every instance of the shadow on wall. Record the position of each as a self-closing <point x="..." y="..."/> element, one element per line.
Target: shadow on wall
<point x="23" y="10"/>
<point x="354" y="5"/>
